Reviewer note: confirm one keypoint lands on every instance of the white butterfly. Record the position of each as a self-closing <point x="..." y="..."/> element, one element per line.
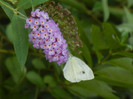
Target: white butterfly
<point x="76" y="70"/>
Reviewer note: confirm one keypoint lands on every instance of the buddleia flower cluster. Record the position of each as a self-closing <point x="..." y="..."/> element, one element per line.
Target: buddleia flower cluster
<point x="67" y="24"/>
<point x="46" y="35"/>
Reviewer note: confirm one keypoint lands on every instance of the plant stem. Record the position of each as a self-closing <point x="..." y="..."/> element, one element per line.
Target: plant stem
<point x="14" y="10"/>
<point x="36" y="93"/>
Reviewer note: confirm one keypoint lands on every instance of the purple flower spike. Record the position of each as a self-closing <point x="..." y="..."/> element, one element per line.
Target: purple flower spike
<point x="46" y="35"/>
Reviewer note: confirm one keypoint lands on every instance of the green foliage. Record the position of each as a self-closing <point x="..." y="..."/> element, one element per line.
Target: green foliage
<point x="34" y="78"/>
<point x="25" y="4"/>
<point x="38" y="64"/>
<point x="105" y="9"/>
<point x="105" y="28"/>
<point x="7" y="8"/>
<point x="20" y="39"/>
<point x="14" y="68"/>
<point x="116" y="76"/>
<point x="93" y="88"/>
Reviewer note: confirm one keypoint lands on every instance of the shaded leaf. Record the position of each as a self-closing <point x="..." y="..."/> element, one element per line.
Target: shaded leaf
<point x="105" y="9"/>
<point x="25" y="4"/>
<point x="111" y="36"/>
<point x="93" y="88"/>
<point x="13" y="67"/>
<point x="97" y="38"/>
<point x="59" y="93"/>
<point x="76" y="5"/>
<point x="9" y="32"/>
<point x="129" y="16"/>
<point x="34" y="78"/>
<point x="130" y="3"/>
<point x="5" y="6"/>
<point x="38" y="64"/>
<point x="116" y="76"/>
<point x="128" y="54"/>
<point x="97" y="6"/>
<point x="126" y="27"/>
<point x="123" y="62"/>
<point x="87" y="55"/>
<point x="50" y="81"/>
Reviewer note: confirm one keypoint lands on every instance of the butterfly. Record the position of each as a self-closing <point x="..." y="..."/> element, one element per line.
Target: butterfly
<point x="76" y="70"/>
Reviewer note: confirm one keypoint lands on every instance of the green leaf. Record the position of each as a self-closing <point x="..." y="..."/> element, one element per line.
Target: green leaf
<point x="99" y="55"/>
<point x="123" y="62"/>
<point x="128" y="54"/>
<point x="129" y="16"/>
<point x="13" y="1"/>
<point x="116" y="76"/>
<point x="125" y="27"/>
<point x="25" y="4"/>
<point x="111" y="36"/>
<point x="92" y="88"/>
<point x="131" y="40"/>
<point x="14" y="68"/>
<point x="97" y="6"/>
<point x="38" y="64"/>
<point x="130" y="3"/>
<point x="75" y="4"/>
<point x="124" y="37"/>
<point x="50" y="81"/>
<point x="59" y="93"/>
<point x="105" y="9"/>
<point x="20" y="41"/>
<point x="34" y="78"/>
<point x="7" y="8"/>
<point x="97" y="38"/>
<point x="86" y="54"/>
<point x="9" y="32"/>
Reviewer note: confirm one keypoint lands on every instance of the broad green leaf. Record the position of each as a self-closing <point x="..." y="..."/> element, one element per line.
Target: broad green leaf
<point x="97" y="6"/>
<point x="13" y="67"/>
<point x="105" y="9"/>
<point x="86" y="54"/>
<point x="1" y="93"/>
<point x="13" y="1"/>
<point x="25" y="4"/>
<point x="35" y="78"/>
<point x="123" y="62"/>
<point x="59" y="93"/>
<point x="75" y="4"/>
<point x="7" y="8"/>
<point x="99" y="55"/>
<point x="130" y="3"/>
<point x="50" y="81"/>
<point x="129" y="16"/>
<point x="111" y="36"/>
<point x="20" y="41"/>
<point x="116" y="76"/>
<point x="9" y="32"/>
<point x="92" y="88"/>
<point x="125" y="27"/>
<point x="124" y="37"/>
<point x="38" y="63"/>
<point x="98" y="39"/>
<point x="127" y="54"/>
<point x="131" y="40"/>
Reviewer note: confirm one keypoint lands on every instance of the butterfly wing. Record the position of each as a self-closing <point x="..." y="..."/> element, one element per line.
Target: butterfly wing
<point x="69" y="72"/>
<point x="76" y="70"/>
<point x="85" y="72"/>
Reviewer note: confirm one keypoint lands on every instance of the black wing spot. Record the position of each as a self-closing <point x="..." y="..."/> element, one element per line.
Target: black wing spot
<point x="83" y="72"/>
